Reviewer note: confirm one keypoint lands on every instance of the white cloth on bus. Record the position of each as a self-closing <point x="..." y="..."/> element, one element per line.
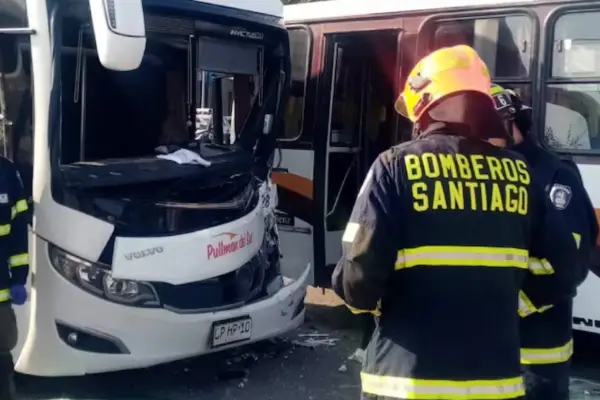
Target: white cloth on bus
<point x="185" y="156"/>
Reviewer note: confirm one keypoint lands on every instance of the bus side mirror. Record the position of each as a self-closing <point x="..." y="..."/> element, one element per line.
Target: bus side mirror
<point x="120" y="33"/>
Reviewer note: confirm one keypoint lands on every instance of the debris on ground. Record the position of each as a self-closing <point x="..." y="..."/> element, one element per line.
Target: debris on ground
<point x="343" y="368"/>
<point x="312" y="343"/>
<point x="358" y="356"/>
<point x="314" y="335"/>
<point x="241" y="360"/>
<point x="314" y="339"/>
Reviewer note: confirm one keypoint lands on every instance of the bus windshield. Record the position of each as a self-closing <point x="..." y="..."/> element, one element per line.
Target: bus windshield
<point x="188" y="87"/>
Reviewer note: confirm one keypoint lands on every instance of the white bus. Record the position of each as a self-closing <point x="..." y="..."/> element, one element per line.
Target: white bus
<point x="138" y="260"/>
<point x="350" y="59"/>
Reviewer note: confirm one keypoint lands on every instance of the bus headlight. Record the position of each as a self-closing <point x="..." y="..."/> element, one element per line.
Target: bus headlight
<point x="98" y="280"/>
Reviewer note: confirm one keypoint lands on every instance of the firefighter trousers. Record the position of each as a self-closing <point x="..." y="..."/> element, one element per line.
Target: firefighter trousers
<point x="547" y="381"/>
<point x="8" y="340"/>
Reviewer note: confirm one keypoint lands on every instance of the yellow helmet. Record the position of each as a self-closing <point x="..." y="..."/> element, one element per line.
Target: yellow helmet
<point x="444" y="72"/>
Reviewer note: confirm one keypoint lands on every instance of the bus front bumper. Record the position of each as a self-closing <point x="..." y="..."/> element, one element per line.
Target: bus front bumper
<point x="137" y="337"/>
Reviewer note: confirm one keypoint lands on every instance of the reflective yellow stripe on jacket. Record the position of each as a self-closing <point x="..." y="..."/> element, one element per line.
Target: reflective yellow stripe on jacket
<point x="430" y="389"/>
<point x="577" y="238"/>
<point x="553" y="355"/>
<point x="19" y="207"/>
<point x="526" y="306"/>
<point x="4" y="230"/>
<point x="540" y="266"/>
<point x="469" y="256"/>
<point x="19" y="260"/>
<point x="4" y="295"/>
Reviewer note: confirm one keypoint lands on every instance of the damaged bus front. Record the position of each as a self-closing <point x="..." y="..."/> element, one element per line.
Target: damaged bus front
<point x="150" y="242"/>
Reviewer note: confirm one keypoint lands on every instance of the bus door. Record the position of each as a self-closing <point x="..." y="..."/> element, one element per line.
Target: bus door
<point x="293" y="162"/>
<point x="358" y="123"/>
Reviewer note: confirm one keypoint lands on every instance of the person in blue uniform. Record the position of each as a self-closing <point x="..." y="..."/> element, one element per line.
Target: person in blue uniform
<point x="439" y="242"/>
<point x="547" y="337"/>
<point x="15" y="268"/>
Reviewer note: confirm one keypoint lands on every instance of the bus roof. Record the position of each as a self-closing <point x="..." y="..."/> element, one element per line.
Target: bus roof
<point x="269" y="7"/>
<point x="339" y="9"/>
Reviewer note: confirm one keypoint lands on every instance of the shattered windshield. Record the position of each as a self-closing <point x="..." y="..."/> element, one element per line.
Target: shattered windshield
<point x="187" y="88"/>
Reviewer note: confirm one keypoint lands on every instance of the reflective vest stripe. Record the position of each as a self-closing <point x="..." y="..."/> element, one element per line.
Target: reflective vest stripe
<point x="430" y="389"/>
<point x="19" y="206"/>
<point x="4" y="295"/>
<point x="540" y="266"/>
<point x="4" y="230"/>
<point x="554" y="355"/>
<point x="577" y="238"/>
<point x="469" y="256"/>
<point x="19" y="260"/>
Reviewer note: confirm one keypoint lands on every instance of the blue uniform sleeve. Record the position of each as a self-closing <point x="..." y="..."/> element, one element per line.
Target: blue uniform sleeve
<point x="552" y="255"/>
<point x="369" y="250"/>
<point x="17" y="239"/>
<point x="569" y="196"/>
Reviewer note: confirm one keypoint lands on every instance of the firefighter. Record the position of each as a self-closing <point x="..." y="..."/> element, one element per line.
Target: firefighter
<point x="438" y="244"/>
<point x="13" y="276"/>
<point x="546" y="357"/>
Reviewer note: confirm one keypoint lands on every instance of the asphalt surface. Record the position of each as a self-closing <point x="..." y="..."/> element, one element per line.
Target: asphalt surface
<point x="308" y="364"/>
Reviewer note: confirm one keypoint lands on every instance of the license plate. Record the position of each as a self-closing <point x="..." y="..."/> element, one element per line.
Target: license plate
<point x="231" y="331"/>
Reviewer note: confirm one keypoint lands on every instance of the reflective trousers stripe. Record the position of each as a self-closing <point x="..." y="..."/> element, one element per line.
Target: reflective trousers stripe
<point x="540" y="266"/>
<point x="19" y="260"/>
<point x="468" y="256"/>
<point x="19" y="206"/>
<point x="577" y="238"/>
<point x="554" y="355"/>
<point x="430" y="389"/>
<point x="4" y="230"/>
<point x="4" y="295"/>
<point x="526" y="306"/>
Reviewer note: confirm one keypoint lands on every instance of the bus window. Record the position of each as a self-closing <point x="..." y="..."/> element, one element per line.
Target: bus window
<point x="299" y="48"/>
<point x="16" y="135"/>
<point x="238" y="93"/>
<point x="504" y="43"/>
<point x="573" y="109"/>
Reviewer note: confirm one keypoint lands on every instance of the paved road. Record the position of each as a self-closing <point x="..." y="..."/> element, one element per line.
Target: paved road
<point x="289" y="368"/>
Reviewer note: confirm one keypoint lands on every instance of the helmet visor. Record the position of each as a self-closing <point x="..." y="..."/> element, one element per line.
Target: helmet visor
<point x="400" y="106"/>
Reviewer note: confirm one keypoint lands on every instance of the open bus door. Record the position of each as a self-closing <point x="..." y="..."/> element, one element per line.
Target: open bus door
<point x="356" y="97"/>
<point x="293" y="163"/>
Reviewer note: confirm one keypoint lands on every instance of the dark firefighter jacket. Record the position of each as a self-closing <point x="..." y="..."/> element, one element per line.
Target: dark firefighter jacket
<point x="438" y="245"/>
<point x="565" y="189"/>
<point x="13" y="230"/>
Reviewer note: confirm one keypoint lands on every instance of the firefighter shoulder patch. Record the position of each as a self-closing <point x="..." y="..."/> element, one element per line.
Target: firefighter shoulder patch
<point x="560" y="196"/>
